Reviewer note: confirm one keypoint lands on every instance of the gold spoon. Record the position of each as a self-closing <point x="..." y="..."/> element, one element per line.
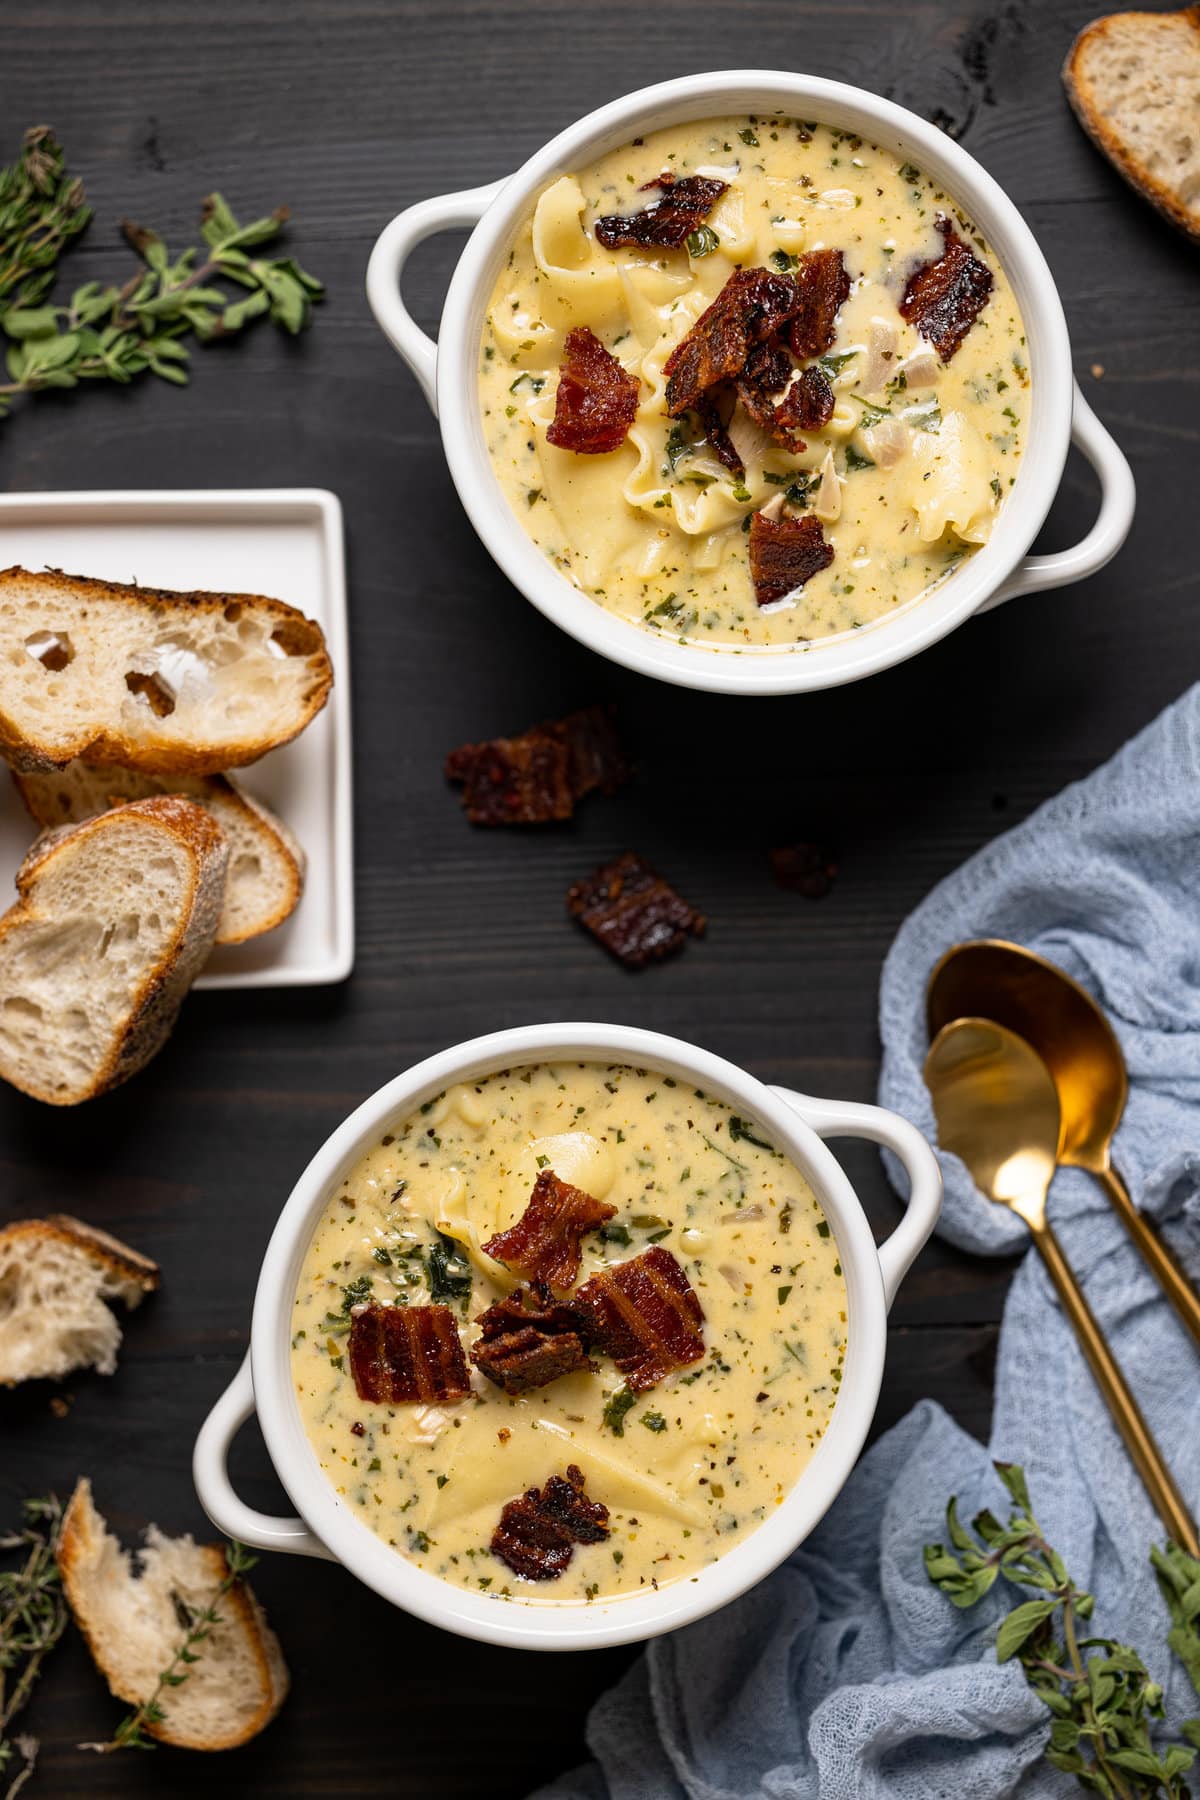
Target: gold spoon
<point x="997" y="1108"/>
<point x="1007" y="983"/>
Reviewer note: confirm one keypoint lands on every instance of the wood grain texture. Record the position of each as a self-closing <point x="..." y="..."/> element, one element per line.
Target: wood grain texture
<point x="349" y="112"/>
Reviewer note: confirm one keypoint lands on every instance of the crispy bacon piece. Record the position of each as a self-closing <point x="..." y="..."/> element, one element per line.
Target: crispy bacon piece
<point x="633" y="912"/>
<point x="539" y="775"/>
<point x="596" y="401"/>
<point x="543" y="1245"/>
<point x="407" y="1353"/>
<point x="823" y="285"/>
<point x="521" y="1360"/>
<point x="528" y="1339"/>
<point x="808" y="403"/>
<point x="784" y="553"/>
<point x="666" y="222"/>
<point x="717" y="432"/>
<point x="766" y="373"/>
<point x="537" y="1534"/>
<point x="752" y="305"/>
<point x="645" y="1315"/>
<point x="944" y="298"/>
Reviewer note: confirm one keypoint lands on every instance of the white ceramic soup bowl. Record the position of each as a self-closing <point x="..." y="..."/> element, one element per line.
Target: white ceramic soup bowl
<point x="1002" y="569"/>
<point x="328" y="1527"/>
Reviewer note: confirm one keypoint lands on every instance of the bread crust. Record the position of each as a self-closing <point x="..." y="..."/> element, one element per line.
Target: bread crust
<point x="159" y="755"/>
<point x="1088" y="111"/>
<point x="123" y="1264"/>
<point x="286" y="846"/>
<point x="155" y="1004"/>
<point x="80" y="1537"/>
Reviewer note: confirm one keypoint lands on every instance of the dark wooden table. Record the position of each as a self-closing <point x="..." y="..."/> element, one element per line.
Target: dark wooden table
<point x="349" y="110"/>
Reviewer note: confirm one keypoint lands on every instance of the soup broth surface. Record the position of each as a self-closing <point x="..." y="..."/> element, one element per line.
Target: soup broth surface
<point x="687" y="1468"/>
<point x="908" y="474"/>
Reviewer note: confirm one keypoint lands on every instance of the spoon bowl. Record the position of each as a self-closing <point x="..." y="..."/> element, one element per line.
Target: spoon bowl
<point x="997" y="1108"/>
<point x="1003" y="982"/>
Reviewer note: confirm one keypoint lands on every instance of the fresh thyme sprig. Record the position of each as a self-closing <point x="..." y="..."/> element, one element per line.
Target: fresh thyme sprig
<point x="1099" y="1692"/>
<point x="116" y="333"/>
<point x="132" y="1733"/>
<point x="33" y="1615"/>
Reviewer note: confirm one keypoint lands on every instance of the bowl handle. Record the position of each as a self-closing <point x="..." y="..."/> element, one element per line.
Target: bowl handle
<point x="1112" y="521"/>
<point x="211" y="1476"/>
<point x="386" y="266"/>
<point x="849" y="1118"/>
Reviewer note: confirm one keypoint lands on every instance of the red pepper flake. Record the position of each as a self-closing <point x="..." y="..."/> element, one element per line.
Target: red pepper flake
<point x="944" y="297"/>
<point x="784" y="553"/>
<point x="407" y="1353"/>
<point x="537" y="1534"/>
<point x="805" y="869"/>
<point x="751" y="306"/>
<point x="543" y="1245"/>
<point x="823" y="286"/>
<point x="633" y="912"/>
<point x="667" y="222"/>
<point x="645" y="1315"/>
<point x="540" y="775"/>
<point x="597" y="399"/>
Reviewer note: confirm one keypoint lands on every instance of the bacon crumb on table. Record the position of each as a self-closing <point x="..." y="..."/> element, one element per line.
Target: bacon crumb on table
<point x="528" y="1339"/>
<point x="540" y="775"/>
<point x="596" y="401"/>
<point x="645" y="1315"/>
<point x="543" y="1245"/>
<point x="633" y="912"/>
<point x="944" y="297"/>
<point x="805" y="869"/>
<point x="784" y="553"/>
<point x="537" y="1534"/>
<point x="407" y="1353"/>
<point x="667" y="222"/>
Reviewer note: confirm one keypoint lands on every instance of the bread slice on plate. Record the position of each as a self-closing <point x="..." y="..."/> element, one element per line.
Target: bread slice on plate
<point x="55" y="1276"/>
<point x="115" y="919"/>
<point x="134" y="1620"/>
<point x="148" y="678"/>
<point x="1134" y="81"/>
<point x="266" y="864"/>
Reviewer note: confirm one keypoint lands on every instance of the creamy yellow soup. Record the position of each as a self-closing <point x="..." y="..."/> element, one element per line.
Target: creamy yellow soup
<point x="687" y="1468"/>
<point x="906" y="477"/>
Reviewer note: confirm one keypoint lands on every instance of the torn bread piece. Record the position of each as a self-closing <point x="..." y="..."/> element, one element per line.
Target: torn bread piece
<point x="55" y="1276"/>
<point x="266" y="864"/>
<point x="150" y="678"/>
<point x="1133" y="80"/>
<point x="114" y="920"/>
<point x="133" y="1617"/>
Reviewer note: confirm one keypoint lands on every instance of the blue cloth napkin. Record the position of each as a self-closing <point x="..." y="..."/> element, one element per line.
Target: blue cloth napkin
<point x="846" y="1673"/>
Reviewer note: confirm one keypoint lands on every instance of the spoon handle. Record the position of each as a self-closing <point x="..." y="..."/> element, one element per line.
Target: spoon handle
<point x="1166" y="1271"/>
<point x="1147" y="1458"/>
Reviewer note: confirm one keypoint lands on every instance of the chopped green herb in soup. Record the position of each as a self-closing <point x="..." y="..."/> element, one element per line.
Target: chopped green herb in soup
<point x="689" y="1425"/>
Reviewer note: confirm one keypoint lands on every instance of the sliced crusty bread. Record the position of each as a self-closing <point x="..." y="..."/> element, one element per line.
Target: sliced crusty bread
<point x="151" y="679"/>
<point x="55" y="1275"/>
<point x="115" y="920"/>
<point x="1134" y="82"/>
<point x="133" y="1621"/>
<point x="266" y="864"/>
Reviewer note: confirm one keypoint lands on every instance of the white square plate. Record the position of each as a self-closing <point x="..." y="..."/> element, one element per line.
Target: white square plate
<point x="286" y="542"/>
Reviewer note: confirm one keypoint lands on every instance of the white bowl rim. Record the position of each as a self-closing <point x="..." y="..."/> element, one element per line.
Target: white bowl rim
<point x="566" y="1625"/>
<point x="826" y="663"/>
